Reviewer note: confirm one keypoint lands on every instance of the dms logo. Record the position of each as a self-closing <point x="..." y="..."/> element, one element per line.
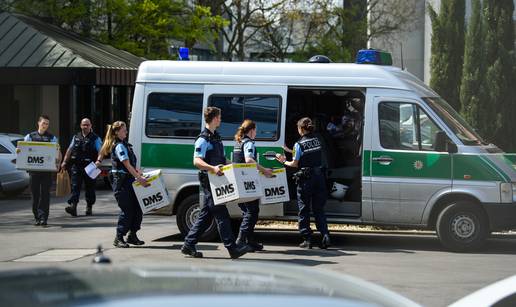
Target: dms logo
<point x="277" y="191"/>
<point x="249" y="185"/>
<point x="35" y="160"/>
<point x="156" y="198"/>
<point x="227" y="189"/>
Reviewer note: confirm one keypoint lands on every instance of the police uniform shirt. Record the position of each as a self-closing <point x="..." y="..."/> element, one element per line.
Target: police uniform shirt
<point x="249" y="150"/>
<point x="201" y="147"/>
<point x="27" y="138"/>
<point x="121" y="152"/>
<point x="297" y="152"/>
<point x="98" y="144"/>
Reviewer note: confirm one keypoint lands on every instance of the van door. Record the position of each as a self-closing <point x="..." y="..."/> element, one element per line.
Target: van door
<point x="406" y="170"/>
<point x="265" y="105"/>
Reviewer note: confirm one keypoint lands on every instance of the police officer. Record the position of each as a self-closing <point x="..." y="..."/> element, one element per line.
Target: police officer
<point x="84" y="149"/>
<point x="311" y="189"/>
<point x="245" y="152"/>
<point x="124" y="173"/>
<point x="209" y="156"/>
<point x="40" y="182"/>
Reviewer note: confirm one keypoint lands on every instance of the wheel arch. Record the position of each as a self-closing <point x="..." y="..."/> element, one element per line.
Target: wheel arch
<point x="444" y="200"/>
<point x="184" y="192"/>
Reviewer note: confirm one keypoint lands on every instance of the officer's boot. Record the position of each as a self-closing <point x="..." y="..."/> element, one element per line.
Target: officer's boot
<point x="133" y="239"/>
<point x="254" y="245"/>
<point x="241" y="239"/>
<point x="72" y="209"/>
<point x="120" y="242"/>
<point x="307" y="243"/>
<point x="89" y="209"/>
<point x="190" y="251"/>
<point x="239" y="251"/>
<point x="325" y="242"/>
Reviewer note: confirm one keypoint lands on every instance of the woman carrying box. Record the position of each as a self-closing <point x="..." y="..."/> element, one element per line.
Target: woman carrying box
<point x="124" y="173"/>
<point x="245" y="152"/>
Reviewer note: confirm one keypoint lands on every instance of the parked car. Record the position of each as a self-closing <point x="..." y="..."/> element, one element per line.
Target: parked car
<point x="12" y="181"/>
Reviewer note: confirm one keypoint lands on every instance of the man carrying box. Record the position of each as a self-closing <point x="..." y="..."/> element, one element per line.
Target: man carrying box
<point x="208" y="157"/>
<point x="40" y="182"/>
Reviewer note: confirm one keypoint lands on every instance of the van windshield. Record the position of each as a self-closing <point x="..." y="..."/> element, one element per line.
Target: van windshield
<point x="454" y="121"/>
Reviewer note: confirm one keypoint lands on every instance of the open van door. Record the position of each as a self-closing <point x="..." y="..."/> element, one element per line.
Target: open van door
<point x="406" y="166"/>
<point x="265" y="105"/>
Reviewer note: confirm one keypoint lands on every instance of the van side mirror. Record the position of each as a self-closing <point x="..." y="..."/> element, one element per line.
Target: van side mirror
<point x="440" y="141"/>
<point x="452" y="147"/>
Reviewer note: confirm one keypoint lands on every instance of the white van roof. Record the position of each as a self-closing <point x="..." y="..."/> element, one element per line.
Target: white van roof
<point x="290" y="74"/>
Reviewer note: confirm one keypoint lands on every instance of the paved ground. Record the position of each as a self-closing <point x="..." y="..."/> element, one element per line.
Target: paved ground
<point x="412" y="265"/>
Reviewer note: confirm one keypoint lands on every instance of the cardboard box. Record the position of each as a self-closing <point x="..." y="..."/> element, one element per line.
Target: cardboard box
<point x="37" y="156"/>
<point x="240" y="183"/>
<point x="275" y="189"/>
<point x="154" y="196"/>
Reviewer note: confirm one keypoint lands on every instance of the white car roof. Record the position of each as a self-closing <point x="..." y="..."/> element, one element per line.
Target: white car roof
<point x="290" y="74"/>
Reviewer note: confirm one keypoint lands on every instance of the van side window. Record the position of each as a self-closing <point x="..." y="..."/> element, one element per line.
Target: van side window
<point x="4" y="150"/>
<point x="264" y="110"/>
<point x="405" y="126"/>
<point x="173" y="115"/>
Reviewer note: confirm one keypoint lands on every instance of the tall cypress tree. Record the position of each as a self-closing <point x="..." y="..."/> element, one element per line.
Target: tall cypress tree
<point x="474" y="69"/>
<point x="447" y="49"/>
<point x="500" y="121"/>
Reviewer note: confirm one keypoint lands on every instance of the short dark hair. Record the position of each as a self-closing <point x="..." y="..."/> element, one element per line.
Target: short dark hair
<point x="43" y="116"/>
<point x="210" y="113"/>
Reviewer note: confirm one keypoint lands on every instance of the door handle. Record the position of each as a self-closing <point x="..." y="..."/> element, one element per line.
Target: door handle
<point x="383" y="160"/>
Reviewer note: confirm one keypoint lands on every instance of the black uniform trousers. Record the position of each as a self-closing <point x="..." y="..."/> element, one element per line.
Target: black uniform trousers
<point x="250" y="212"/>
<point x="130" y="216"/>
<point x="311" y="193"/>
<point x="40" y="183"/>
<point x="209" y="211"/>
<point x="78" y="176"/>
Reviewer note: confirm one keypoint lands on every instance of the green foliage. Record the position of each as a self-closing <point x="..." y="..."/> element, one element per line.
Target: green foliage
<point x="447" y="50"/>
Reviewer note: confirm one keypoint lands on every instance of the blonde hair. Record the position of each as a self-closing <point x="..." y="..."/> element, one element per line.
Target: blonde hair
<point x="246" y="126"/>
<point x="305" y="124"/>
<point x="110" y="138"/>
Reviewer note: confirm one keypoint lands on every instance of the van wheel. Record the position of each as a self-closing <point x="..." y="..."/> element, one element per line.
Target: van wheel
<point x="462" y="227"/>
<point x="187" y="214"/>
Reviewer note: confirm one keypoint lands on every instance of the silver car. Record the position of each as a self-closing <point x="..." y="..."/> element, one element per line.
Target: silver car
<point x="12" y="181"/>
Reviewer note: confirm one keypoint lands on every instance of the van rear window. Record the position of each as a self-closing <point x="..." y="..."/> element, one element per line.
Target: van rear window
<point x="263" y="110"/>
<point x="173" y="115"/>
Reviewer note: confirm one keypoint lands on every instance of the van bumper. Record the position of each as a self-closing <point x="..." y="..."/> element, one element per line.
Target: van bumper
<point x="501" y="216"/>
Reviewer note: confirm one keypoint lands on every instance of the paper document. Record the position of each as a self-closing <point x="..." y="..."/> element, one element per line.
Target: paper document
<point x="92" y="170"/>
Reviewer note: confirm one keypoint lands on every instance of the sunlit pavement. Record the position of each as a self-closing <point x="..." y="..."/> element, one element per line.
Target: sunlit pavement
<point x="413" y="265"/>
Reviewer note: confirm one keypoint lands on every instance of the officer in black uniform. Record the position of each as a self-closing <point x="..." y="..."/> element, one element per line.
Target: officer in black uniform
<point x="40" y="182"/>
<point x="245" y="152"/>
<point x="209" y="156"/>
<point x="84" y="149"/>
<point x="123" y="174"/>
<point x="311" y="189"/>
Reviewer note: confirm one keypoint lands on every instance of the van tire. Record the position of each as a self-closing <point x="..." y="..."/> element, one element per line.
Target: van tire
<point x="187" y="214"/>
<point x="462" y="226"/>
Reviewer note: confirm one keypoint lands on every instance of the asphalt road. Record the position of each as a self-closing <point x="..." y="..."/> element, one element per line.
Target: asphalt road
<point x="413" y="265"/>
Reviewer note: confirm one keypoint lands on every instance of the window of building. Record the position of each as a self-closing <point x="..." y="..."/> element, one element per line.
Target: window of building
<point x="174" y="115"/>
<point x="263" y="110"/>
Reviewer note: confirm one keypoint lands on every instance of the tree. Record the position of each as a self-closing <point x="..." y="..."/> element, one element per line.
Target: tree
<point x="447" y="50"/>
<point x="500" y="104"/>
<point x="472" y="98"/>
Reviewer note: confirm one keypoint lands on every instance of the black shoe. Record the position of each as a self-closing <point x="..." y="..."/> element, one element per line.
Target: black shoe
<point x="89" y="210"/>
<point x="248" y="240"/>
<point x="120" y="242"/>
<point x="37" y="223"/>
<point x="71" y="209"/>
<point x="132" y="238"/>
<point x="257" y="247"/>
<point x="325" y="242"/>
<point x="43" y="223"/>
<point x="239" y="251"/>
<point x="307" y="243"/>
<point x="190" y="251"/>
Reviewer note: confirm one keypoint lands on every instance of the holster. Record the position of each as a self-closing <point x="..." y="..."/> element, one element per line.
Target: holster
<point x="117" y="180"/>
<point x="302" y="174"/>
<point x="203" y="179"/>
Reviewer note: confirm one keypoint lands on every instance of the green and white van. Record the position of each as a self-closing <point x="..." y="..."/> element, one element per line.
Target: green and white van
<point x="407" y="158"/>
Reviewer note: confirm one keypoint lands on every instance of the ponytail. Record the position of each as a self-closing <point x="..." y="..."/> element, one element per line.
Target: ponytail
<point x="305" y="124"/>
<point x="110" y="138"/>
<point x="246" y="126"/>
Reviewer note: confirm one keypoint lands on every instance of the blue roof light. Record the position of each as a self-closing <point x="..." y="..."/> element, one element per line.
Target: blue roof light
<point x="183" y="54"/>
<point x="373" y="56"/>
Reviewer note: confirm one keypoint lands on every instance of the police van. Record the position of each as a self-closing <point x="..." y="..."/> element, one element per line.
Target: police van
<point x="395" y="153"/>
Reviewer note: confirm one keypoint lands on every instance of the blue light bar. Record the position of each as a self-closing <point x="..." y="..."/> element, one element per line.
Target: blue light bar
<point x="183" y="54"/>
<point x="373" y="56"/>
